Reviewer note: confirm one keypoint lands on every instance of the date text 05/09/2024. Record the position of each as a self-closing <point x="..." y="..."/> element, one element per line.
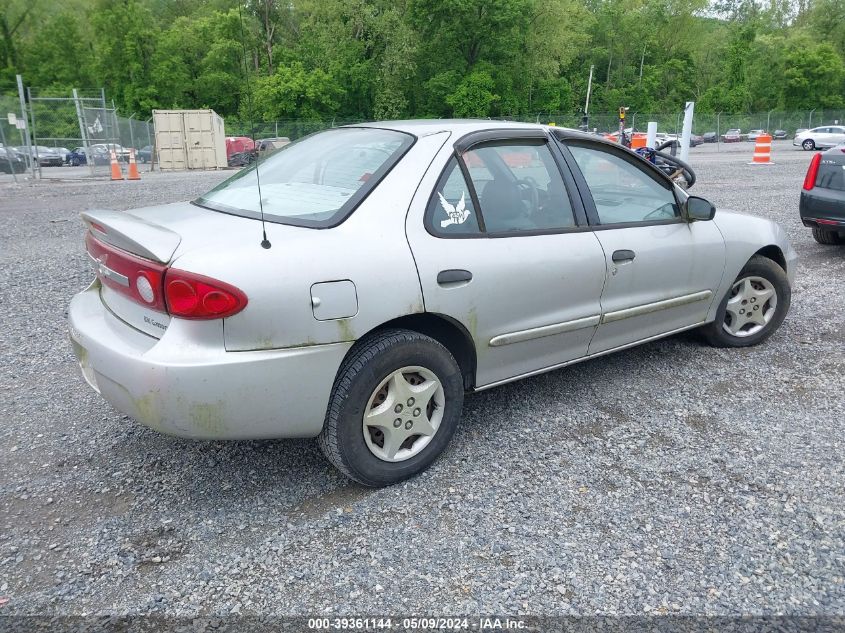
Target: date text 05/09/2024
<point x="416" y="624"/>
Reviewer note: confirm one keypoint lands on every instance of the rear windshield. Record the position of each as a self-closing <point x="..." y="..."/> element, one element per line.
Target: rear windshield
<point x="831" y="175"/>
<point x="316" y="181"/>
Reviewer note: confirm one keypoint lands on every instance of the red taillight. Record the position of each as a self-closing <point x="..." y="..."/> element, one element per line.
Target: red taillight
<point x="180" y="293"/>
<point x="192" y="296"/>
<point x="139" y="279"/>
<point x="812" y="172"/>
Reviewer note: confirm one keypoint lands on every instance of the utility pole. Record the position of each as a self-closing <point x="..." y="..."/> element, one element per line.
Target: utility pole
<point x="83" y="132"/>
<point x="585" y="123"/>
<point x="25" y="130"/>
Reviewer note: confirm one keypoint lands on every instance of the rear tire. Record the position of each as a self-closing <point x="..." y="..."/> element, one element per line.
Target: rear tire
<point x="760" y="275"/>
<point x="829" y="238"/>
<point x="375" y="379"/>
<point x="809" y="145"/>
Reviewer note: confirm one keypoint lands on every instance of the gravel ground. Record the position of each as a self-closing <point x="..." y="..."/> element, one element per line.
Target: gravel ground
<point x="671" y="478"/>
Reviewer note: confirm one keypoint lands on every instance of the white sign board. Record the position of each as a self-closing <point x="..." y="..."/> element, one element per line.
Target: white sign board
<point x="13" y="119"/>
<point x="20" y="124"/>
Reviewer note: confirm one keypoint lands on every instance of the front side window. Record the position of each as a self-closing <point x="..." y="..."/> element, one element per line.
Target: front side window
<point x="316" y="181"/>
<point x="623" y="193"/>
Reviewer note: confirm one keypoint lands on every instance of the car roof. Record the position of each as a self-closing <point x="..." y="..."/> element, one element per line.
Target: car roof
<point x="461" y="127"/>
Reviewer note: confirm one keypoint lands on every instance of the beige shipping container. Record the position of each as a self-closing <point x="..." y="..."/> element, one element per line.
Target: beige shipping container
<point x="189" y="139"/>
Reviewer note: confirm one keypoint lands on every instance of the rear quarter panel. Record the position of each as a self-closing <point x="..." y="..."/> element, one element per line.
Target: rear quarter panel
<point x="369" y="248"/>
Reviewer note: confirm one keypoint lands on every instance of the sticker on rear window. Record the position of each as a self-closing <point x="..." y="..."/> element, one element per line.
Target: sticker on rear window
<point x="458" y="214"/>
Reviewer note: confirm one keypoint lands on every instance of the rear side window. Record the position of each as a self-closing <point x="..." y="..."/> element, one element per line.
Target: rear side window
<point x="623" y="192"/>
<point x="517" y="185"/>
<point x="316" y="181"/>
<point x="519" y="188"/>
<point x="831" y="175"/>
<point x="450" y="211"/>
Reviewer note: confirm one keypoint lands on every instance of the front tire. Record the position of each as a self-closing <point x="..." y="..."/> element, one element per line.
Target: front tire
<point x="753" y="308"/>
<point x="395" y="404"/>
<point x="828" y="238"/>
<point x="809" y="145"/>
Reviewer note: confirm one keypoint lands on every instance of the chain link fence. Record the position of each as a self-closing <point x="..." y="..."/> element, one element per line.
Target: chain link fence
<point x="669" y="123"/>
<point x="82" y="128"/>
<point x="283" y="128"/>
<point x="76" y="130"/>
<point x="703" y="122"/>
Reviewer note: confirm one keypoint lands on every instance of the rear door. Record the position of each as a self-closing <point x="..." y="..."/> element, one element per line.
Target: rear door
<point x="662" y="270"/>
<point x="502" y="247"/>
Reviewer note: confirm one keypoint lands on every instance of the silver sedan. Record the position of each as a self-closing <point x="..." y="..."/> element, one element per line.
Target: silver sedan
<point x="820" y="137"/>
<point x="354" y="285"/>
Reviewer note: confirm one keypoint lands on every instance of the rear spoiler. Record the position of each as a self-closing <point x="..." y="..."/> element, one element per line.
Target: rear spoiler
<point x="133" y="234"/>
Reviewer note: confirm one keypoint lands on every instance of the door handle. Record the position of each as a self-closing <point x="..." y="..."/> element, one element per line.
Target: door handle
<point x="623" y="255"/>
<point x="453" y="276"/>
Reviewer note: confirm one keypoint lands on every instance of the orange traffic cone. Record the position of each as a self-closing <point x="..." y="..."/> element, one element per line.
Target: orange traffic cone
<point x="116" y="173"/>
<point x="762" y="151"/>
<point x="133" y="167"/>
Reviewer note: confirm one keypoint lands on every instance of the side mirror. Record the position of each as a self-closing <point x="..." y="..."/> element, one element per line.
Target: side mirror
<point x="700" y="209"/>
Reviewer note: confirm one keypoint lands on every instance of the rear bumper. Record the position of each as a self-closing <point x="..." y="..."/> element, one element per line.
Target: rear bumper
<point x="187" y="384"/>
<point x="824" y="208"/>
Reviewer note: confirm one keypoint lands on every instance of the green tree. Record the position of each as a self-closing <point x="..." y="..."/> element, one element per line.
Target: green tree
<point x="293" y="92"/>
<point x="814" y="76"/>
<point x="125" y="37"/>
<point x="474" y="96"/>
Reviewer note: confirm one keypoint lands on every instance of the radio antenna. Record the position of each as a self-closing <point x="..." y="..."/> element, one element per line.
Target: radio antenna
<point x="265" y="243"/>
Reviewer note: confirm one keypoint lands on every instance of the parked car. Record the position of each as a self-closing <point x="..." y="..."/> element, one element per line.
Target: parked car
<point x="364" y="326"/>
<point x="238" y="145"/>
<point x="662" y="137"/>
<point x="20" y="151"/>
<point x="61" y="151"/>
<point x="121" y="153"/>
<point x="732" y="136"/>
<point x="270" y="145"/>
<point x="822" y="206"/>
<point x="800" y="130"/>
<point x="695" y="139"/>
<point x="145" y="154"/>
<point x="99" y="156"/>
<point x="709" y="137"/>
<point x="820" y="137"/>
<point x="11" y="162"/>
<point x="780" y="135"/>
<point x="45" y="156"/>
<point x="754" y="134"/>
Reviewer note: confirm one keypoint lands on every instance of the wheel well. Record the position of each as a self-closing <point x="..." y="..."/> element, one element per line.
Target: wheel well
<point x="446" y="331"/>
<point x="774" y="253"/>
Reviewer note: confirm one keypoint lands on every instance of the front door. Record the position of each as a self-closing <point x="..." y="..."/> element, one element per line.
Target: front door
<point x="499" y="248"/>
<point x="662" y="271"/>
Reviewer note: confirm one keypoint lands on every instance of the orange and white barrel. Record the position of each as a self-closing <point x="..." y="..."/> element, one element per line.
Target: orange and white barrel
<point x="762" y="150"/>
